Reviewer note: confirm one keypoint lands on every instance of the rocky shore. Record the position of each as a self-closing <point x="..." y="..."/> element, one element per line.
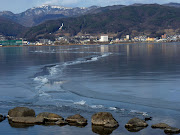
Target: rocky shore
<point x="103" y="123"/>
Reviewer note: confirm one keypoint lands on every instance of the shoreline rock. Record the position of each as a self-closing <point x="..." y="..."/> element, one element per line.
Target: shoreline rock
<point x="76" y="120"/>
<point x="136" y="122"/>
<point x="172" y="130"/>
<point x="167" y="129"/>
<point x="102" y="122"/>
<point x="135" y="125"/>
<point x="49" y="117"/>
<point x="28" y="120"/>
<point x="21" y="112"/>
<point x="160" y="125"/>
<point x="104" y="119"/>
<point x="61" y="122"/>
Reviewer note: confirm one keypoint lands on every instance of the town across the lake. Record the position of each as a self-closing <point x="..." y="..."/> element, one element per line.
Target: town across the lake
<point x="87" y="39"/>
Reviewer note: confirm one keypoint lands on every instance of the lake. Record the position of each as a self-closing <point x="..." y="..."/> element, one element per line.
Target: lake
<point x="127" y="80"/>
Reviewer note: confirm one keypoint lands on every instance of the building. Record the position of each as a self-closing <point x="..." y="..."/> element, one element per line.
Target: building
<point x="164" y="36"/>
<point x="45" y="41"/>
<point x="2" y="38"/>
<point x="11" y="42"/>
<point x="104" y="39"/>
<point x="127" y="37"/>
<point x="38" y="43"/>
<point x="150" y="39"/>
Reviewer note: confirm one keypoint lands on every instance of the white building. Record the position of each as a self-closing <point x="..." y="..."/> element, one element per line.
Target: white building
<point x="127" y="37"/>
<point x="104" y="39"/>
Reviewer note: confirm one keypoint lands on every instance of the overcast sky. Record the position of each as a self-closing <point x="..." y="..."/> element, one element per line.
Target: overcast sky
<point x="18" y="6"/>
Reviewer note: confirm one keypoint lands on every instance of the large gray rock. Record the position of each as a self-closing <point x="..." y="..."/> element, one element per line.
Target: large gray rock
<point x="50" y="117"/>
<point x="28" y="120"/>
<point x="104" y="119"/>
<point x="160" y="125"/>
<point x="21" y="112"/>
<point x="136" y="122"/>
<point x="77" y="119"/>
<point x="172" y="130"/>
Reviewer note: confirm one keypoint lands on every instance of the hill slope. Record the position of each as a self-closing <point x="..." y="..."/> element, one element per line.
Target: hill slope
<point x="10" y="28"/>
<point x="148" y="19"/>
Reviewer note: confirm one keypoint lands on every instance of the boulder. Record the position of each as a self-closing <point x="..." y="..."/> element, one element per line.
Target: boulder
<point x="28" y="120"/>
<point x="135" y="125"/>
<point x="104" y="119"/>
<point x="21" y="112"/>
<point x="76" y="119"/>
<point x="136" y="122"/>
<point x="50" y="117"/>
<point x="160" y="125"/>
<point x="61" y="122"/>
<point x="172" y="130"/>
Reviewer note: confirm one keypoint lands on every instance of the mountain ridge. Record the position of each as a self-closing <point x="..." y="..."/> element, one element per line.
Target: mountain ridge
<point x="30" y="17"/>
<point x="119" y="19"/>
<point x="172" y="4"/>
<point x="151" y="20"/>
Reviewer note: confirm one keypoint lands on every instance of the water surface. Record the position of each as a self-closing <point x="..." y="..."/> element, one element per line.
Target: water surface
<point x="127" y="80"/>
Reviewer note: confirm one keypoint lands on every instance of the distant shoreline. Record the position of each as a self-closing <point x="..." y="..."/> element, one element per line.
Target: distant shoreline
<point x="86" y="44"/>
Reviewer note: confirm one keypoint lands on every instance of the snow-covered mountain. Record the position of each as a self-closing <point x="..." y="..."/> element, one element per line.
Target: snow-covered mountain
<point x="37" y="15"/>
<point x="49" y="9"/>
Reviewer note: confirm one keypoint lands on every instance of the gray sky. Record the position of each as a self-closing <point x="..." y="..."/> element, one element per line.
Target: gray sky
<point x="18" y="6"/>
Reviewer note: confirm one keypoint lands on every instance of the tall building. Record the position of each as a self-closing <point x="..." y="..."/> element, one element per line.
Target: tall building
<point x="127" y="37"/>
